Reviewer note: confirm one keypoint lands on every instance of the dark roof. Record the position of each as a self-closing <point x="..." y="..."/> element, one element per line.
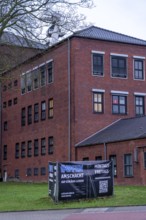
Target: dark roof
<point x="103" y="34"/>
<point x="12" y="39"/>
<point x="121" y="130"/>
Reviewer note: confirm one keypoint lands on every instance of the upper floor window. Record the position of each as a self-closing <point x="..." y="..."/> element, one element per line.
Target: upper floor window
<point x="29" y="148"/>
<point x="29" y="81"/>
<point x="119" y="66"/>
<point x="5" y="152"/>
<point x="42" y="70"/>
<point x="43" y="110"/>
<point x="17" y="150"/>
<point x="50" y="145"/>
<point x="138" y="69"/>
<point x="128" y="166"/>
<point x="36" y="147"/>
<point x="98" y="102"/>
<point x="97" y="64"/>
<point x="50" y="72"/>
<point x="23" y="84"/>
<point x="23" y="149"/>
<point x="36" y="112"/>
<point x="23" y="116"/>
<point x="29" y="114"/>
<point x="43" y="146"/>
<point x="50" y="108"/>
<point x="139" y="105"/>
<point x="119" y="104"/>
<point x="35" y="74"/>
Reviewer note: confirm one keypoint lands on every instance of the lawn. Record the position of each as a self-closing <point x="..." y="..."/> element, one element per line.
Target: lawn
<point x="30" y="196"/>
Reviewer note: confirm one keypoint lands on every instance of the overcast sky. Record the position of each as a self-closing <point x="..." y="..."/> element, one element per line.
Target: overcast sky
<point x="123" y="16"/>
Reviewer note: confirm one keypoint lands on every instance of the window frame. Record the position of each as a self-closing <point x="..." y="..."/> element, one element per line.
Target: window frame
<point x="138" y="107"/>
<point x="23" y="149"/>
<point x="140" y="60"/>
<point x="128" y="167"/>
<point x="17" y="150"/>
<point x="118" y="104"/>
<point x="50" y="70"/>
<point x="36" y="112"/>
<point x="43" y="171"/>
<point x="36" y="148"/>
<point x="98" y="104"/>
<point x="42" y="70"/>
<point x="95" y="65"/>
<point x="50" y="145"/>
<point x="117" y="68"/>
<point x="43" y="110"/>
<point x="29" y="148"/>
<point x="43" y="146"/>
<point x="5" y="152"/>
<point x="50" y="108"/>
<point x="29" y="114"/>
<point x="113" y="157"/>
<point x="23" y="116"/>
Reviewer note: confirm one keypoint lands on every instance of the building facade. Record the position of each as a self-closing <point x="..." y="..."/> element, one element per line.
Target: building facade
<point x="58" y="98"/>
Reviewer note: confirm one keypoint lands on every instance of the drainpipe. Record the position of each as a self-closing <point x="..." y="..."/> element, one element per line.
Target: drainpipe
<point x="69" y="104"/>
<point x="105" y="151"/>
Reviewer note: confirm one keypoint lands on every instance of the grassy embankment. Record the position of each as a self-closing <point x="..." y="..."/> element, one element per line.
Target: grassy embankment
<point x="27" y="196"/>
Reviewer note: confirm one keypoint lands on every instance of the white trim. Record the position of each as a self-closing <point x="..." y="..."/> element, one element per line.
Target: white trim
<point x="139" y="57"/>
<point x="48" y="61"/>
<point x="42" y="64"/>
<point x="98" y="90"/>
<point x="120" y="55"/>
<point x="140" y="93"/>
<point x="119" y="92"/>
<point x="98" y="52"/>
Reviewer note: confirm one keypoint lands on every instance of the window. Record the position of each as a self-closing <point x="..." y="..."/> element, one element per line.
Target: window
<point x="23" y="149"/>
<point x="36" y="171"/>
<point x="97" y="60"/>
<point x="29" y="172"/>
<point x="119" y="104"/>
<point x="98" y="158"/>
<point x="50" y="145"/>
<point x="17" y="150"/>
<point x="43" y="110"/>
<point x="36" y="147"/>
<point x="9" y="102"/>
<point x="23" y="84"/>
<point x="29" y="148"/>
<point x="5" y="152"/>
<point x="119" y="66"/>
<point x="43" y="171"/>
<point x="15" y="101"/>
<point x="50" y="108"/>
<point x="35" y="74"/>
<point x="97" y="102"/>
<point x="4" y="88"/>
<point x="139" y="105"/>
<point x="29" y="115"/>
<point x="16" y="174"/>
<point x="23" y="117"/>
<point x="43" y="146"/>
<point x="138" y="69"/>
<point x="4" y="104"/>
<point x="128" y="167"/>
<point x="36" y="112"/>
<point x="5" y="125"/>
<point x="42" y="70"/>
<point x="10" y="85"/>
<point x="50" y="72"/>
<point x="29" y="81"/>
<point x="16" y="82"/>
<point x="145" y="160"/>
<point x="85" y="158"/>
<point x="114" y="159"/>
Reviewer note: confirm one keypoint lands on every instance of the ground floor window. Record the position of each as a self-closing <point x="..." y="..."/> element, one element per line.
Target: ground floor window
<point x="145" y="160"/>
<point x="128" y="166"/>
<point x="114" y="159"/>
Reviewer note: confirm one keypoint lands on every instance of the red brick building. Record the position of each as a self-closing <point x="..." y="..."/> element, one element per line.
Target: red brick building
<point x="75" y="88"/>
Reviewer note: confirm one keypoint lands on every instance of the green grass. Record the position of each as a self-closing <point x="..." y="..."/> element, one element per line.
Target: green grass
<point x="30" y="196"/>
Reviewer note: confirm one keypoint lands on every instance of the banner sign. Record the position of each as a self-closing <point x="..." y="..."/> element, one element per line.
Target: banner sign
<point x="85" y="179"/>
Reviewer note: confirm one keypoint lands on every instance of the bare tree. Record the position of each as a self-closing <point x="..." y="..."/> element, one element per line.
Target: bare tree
<point x="29" y="18"/>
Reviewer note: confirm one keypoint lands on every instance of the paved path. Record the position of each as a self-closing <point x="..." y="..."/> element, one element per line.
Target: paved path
<point x="125" y="213"/>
